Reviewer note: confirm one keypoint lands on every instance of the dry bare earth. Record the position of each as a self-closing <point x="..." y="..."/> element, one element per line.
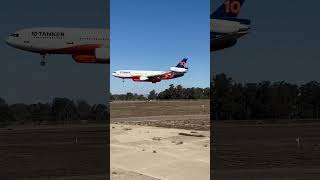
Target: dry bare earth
<point x="159" y="153"/>
<point x="120" y="174"/>
<point x="186" y="158"/>
<point x="170" y="114"/>
<point x="265" y="151"/>
<point x="53" y="153"/>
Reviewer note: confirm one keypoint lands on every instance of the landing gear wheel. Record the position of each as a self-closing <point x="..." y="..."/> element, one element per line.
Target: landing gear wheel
<point x="43" y="62"/>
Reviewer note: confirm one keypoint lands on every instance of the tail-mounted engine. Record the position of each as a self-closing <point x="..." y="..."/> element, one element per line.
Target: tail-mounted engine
<point x="179" y="70"/>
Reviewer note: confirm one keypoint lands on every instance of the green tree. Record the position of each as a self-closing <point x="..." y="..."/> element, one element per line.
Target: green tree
<point x="152" y="95"/>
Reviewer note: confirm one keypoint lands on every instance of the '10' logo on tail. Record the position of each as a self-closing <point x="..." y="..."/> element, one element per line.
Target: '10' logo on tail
<point x="183" y="64"/>
<point x="232" y="6"/>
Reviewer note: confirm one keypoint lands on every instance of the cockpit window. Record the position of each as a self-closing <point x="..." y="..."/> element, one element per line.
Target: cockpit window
<point x="14" y="35"/>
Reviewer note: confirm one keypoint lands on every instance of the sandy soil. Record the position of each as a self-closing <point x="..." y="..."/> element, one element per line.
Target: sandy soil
<point x="159" y="153"/>
<point x="145" y="140"/>
<point x="120" y="174"/>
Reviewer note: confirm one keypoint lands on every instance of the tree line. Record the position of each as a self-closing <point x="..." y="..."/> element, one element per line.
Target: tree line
<point x="171" y="93"/>
<point x="60" y="110"/>
<point x="230" y="100"/>
<point x="264" y="100"/>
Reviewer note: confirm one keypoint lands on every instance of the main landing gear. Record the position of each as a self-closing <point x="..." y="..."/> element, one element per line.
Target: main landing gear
<point x="43" y="62"/>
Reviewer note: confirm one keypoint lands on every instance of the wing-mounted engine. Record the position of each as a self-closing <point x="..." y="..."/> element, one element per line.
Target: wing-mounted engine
<point x="84" y="58"/>
<point x="143" y="78"/>
<point x="101" y="56"/>
<point x="146" y="79"/>
<point x="179" y="70"/>
<point x="139" y="78"/>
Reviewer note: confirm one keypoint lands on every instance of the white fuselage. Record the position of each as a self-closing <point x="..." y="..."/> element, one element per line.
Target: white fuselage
<point x="153" y="76"/>
<point x="82" y="43"/>
<point x="136" y="73"/>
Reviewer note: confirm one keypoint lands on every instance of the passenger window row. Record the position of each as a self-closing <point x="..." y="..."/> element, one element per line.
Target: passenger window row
<point x="96" y="39"/>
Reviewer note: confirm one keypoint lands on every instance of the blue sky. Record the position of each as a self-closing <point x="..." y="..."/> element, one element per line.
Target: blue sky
<point x="155" y="35"/>
<point x="283" y="44"/>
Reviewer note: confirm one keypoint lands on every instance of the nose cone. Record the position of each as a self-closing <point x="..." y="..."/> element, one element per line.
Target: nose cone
<point x="114" y="74"/>
<point x="13" y="42"/>
<point x="9" y="41"/>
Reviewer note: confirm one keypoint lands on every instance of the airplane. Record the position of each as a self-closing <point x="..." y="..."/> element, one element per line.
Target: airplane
<point x="83" y="44"/>
<point x="225" y="27"/>
<point x="153" y="76"/>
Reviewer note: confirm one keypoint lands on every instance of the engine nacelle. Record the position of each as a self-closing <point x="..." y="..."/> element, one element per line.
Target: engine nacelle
<point x="84" y="58"/>
<point x="143" y="78"/>
<point x="102" y="56"/>
<point x="179" y="70"/>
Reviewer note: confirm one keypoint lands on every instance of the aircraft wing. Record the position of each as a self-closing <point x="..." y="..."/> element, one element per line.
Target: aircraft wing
<point x="156" y="75"/>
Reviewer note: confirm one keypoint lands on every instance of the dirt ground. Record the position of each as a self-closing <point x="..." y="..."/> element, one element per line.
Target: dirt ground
<point x="120" y="174"/>
<point x="76" y="152"/>
<point x="53" y="153"/>
<point x="144" y="152"/>
<point x="192" y="115"/>
<point x="265" y="151"/>
<point x="240" y="151"/>
<point x="159" y="108"/>
<point x="136" y="124"/>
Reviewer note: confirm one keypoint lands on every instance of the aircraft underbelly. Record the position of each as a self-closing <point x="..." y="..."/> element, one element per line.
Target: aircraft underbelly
<point x="88" y="49"/>
<point x="225" y="41"/>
